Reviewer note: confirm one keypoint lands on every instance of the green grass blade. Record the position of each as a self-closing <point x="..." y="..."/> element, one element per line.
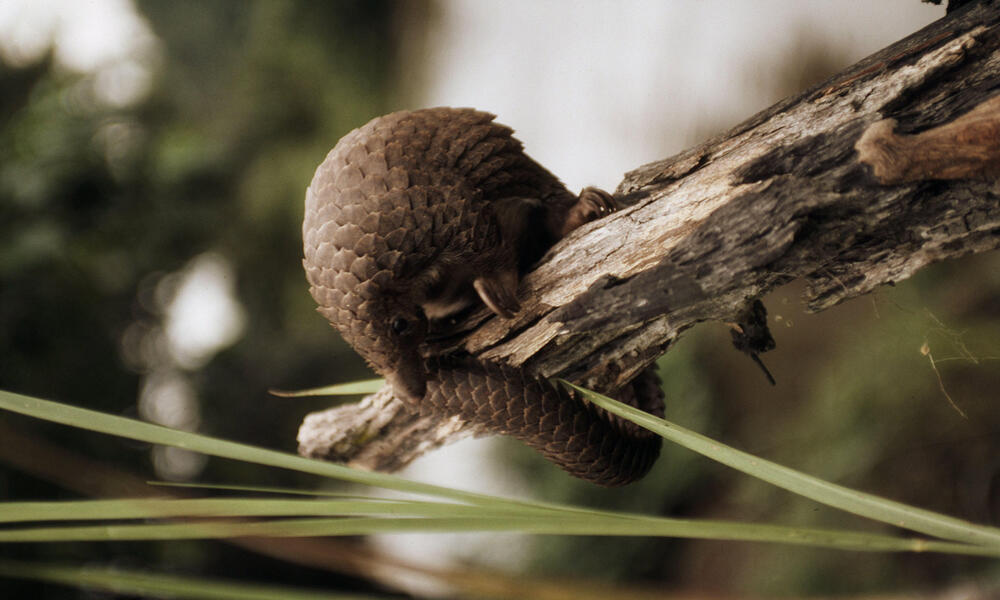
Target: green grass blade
<point x="121" y="581"/>
<point x="157" y="434"/>
<point x="435" y="516"/>
<point x="401" y="517"/>
<point x="547" y="525"/>
<point x="258" y="489"/>
<point x="353" y="388"/>
<point x="157" y="508"/>
<point x="814" y="488"/>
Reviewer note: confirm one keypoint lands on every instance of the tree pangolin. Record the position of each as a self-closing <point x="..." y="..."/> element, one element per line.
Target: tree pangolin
<point x="419" y="215"/>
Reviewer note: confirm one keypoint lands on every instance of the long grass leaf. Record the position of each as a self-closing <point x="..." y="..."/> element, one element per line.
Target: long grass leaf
<point x="436" y="516"/>
<point x="156" y="508"/>
<point x="549" y="525"/>
<point x="353" y="388"/>
<point x="814" y="488"/>
<point x="157" y="434"/>
<point x="261" y="489"/>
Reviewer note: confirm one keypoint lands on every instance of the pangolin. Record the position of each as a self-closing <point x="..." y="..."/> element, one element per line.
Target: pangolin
<point x="419" y="215"/>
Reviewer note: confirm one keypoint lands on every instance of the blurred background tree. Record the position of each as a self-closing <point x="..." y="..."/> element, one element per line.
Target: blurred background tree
<point x="108" y="209"/>
<point x="150" y="211"/>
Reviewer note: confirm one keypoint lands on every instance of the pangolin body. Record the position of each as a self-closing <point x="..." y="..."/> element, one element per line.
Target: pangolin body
<point x="420" y="214"/>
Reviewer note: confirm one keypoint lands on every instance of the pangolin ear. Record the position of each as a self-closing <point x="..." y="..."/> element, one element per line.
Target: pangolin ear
<point x="498" y="291"/>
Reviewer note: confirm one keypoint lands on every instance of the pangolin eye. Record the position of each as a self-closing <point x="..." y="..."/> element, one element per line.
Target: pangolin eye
<point x="400" y="325"/>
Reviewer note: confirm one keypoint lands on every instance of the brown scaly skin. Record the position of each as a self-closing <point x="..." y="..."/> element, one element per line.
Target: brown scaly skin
<point x="418" y="215"/>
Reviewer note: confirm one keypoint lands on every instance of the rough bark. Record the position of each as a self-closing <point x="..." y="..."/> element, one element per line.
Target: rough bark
<point x="821" y="186"/>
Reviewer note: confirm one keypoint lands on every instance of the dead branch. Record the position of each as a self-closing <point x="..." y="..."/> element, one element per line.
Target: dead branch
<point x="822" y="187"/>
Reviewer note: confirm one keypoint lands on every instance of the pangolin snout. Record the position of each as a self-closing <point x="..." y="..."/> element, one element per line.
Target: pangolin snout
<point x="408" y="379"/>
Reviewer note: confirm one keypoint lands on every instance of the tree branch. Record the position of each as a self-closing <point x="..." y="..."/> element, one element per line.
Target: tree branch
<point x="784" y="195"/>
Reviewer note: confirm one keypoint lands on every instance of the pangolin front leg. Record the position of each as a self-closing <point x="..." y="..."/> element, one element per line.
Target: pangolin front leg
<point x="418" y="215"/>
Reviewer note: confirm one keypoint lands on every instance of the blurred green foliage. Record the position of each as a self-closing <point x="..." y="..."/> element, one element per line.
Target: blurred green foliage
<point x="98" y="204"/>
